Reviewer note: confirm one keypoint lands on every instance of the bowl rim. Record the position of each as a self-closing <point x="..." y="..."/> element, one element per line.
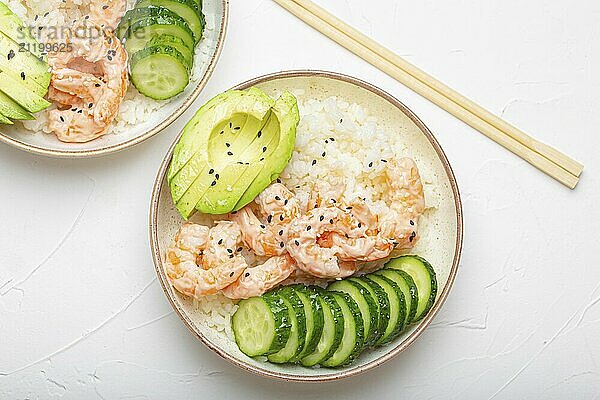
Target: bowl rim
<point x="30" y="148"/>
<point x="335" y="375"/>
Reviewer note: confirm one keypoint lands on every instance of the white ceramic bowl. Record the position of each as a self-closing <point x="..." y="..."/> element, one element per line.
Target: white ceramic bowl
<point x="217" y="11"/>
<point x="441" y="245"/>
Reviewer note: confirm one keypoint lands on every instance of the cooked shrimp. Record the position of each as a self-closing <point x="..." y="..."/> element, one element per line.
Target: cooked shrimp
<point x="277" y="206"/>
<point x="405" y="202"/>
<point x="255" y="281"/>
<point x="313" y="254"/>
<point x="89" y="83"/>
<point x="203" y="261"/>
<point x="107" y="13"/>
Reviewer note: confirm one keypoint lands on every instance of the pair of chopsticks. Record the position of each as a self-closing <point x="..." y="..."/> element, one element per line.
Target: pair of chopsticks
<point x="547" y="159"/>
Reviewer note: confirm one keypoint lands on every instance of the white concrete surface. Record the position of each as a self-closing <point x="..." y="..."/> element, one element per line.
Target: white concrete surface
<point x="83" y="317"/>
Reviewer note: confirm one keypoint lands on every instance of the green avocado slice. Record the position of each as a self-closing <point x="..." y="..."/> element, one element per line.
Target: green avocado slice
<point x="224" y="119"/>
<point x="24" y="66"/>
<point x="250" y="158"/>
<point x="214" y="116"/>
<point x="20" y="94"/>
<point x="286" y="109"/>
<point x="12" y="26"/>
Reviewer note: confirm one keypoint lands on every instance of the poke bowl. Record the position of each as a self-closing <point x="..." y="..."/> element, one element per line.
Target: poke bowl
<point x="281" y="232"/>
<point x="92" y="78"/>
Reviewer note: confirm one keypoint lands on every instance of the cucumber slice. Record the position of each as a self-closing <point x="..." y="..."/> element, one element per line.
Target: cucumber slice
<point x="186" y="9"/>
<point x="159" y="72"/>
<point x="333" y="330"/>
<point x="138" y="32"/>
<point x="366" y="304"/>
<point x="9" y="108"/>
<point x="409" y="290"/>
<point x="397" y="308"/>
<point x="383" y="306"/>
<point x="4" y="120"/>
<point x="261" y="325"/>
<point x="424" y="277"/>
<point x="314" y="319"/>
<point x="176" y="42"/>
<point x="353" y="339"/>
<point x="295" y="342"/>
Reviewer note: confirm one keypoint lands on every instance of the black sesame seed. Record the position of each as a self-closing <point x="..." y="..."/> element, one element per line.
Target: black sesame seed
<point x="90" y="105"/>
<point x="341" y="120"/>
<point x="79" y="111"/>
<point x="22" y="75"/>
<point x="213" y="183"/>
<point x="109" y="58"/>
<point x="62" y="119"/>
<point x="349" y="208"/>
<point x="331" y="221"/>
<point x="46" y="14"/>
<point x="262" y="226"/>
<point x="321" y="218"/>
<point x="281" y="232"/>
<point x="237" y="128"/>
<point x="231" y="274"/>
<point x="11" y="54"/>
<point x="281" y="244"/>
<point x="104" y="7"/>
<point x="323" y="154"/>
<point x="281" y="217"/>
<point x="259" y="134"/>
<point x="240" y="249"/>
<point x="97" y="84"/>
<point x="229" y="251"/>
<point x="216" y="176"/>
<point x="297" y="243"/>
<point x="285" y="202"/>
<point x="269" y="218"/>
<point x="231" y="256"/>
<point x="264" y="149"/>
<point x="222" y="132"/>
<point x="262" y="159"/>
<point x="230" y="125"/>
<point x="278" y="180"/>
<point x="314" y="162"/>
<point x="220" y="241"/>
<point x="247" y="274"/>
<point x="308" y="228"/>
<point x="211" y="171"/>
<point x="332" y="139"/>
<point x="412" y="222"/>
<point x="382" y="160"/>
<point x="370" y="164"/>
<point x="229" y="153"/>
<point x="326" y="141"/>
<point x="87" y="17"/>
<point x="359" y="225"/>
<point x="277" y="198"/>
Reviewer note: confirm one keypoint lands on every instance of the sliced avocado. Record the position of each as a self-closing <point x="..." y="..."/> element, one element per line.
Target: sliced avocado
<point x="24" y="66"/>
<point x="193" y="138"/>
<point x="218" y="121"/>
<point x="4" y="120"/>
<point x="249" y="157"/>
<point x="286" y="109"/>
<point x="19" y="93"/>
<point x="12" y="26"/>
<point x="10" y="109"/>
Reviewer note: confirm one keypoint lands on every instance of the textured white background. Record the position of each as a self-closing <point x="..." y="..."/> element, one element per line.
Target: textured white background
<point x="84" y="317"/>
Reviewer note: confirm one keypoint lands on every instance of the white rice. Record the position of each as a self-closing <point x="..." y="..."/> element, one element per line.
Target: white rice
<point x="135" y="108"/>
<point x="358" y="141"/>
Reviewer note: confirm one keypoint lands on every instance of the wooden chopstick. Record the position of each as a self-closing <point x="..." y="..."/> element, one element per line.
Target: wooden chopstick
<point x="543" y="157"/>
